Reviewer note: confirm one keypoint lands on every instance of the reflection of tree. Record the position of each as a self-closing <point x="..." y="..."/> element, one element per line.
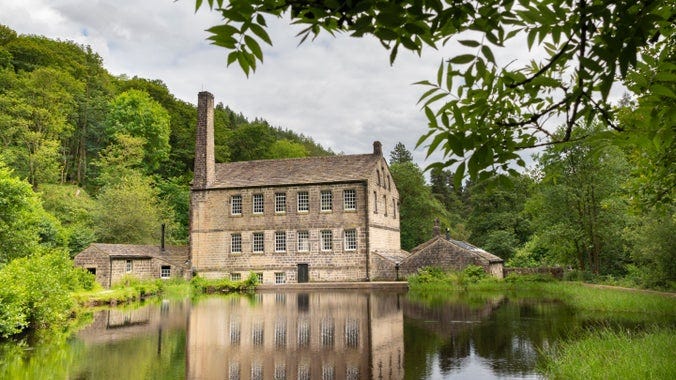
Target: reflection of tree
<point x="506" y="332"/>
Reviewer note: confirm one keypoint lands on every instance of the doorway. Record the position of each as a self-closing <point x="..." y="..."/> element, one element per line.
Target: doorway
<point x="303" y="273"/>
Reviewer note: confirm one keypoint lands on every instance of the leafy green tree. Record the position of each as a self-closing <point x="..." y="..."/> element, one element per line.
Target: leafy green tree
<point x="579" y="211"/>
<point x="130" y="211"/>
<point x="482" y="112"/>
<point x="400" y="154"/>
<point x="250" y="142"/>
<point x="417" y="207"/>
<point x="286" y="149"/>
<point x="136" y="114"/>
<point x="496" y="216"/>
<point x="73" y="207"/>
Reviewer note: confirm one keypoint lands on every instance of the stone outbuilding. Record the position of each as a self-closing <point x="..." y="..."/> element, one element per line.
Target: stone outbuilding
<point x="450" y="255"/>
<point x="110" y="262"/>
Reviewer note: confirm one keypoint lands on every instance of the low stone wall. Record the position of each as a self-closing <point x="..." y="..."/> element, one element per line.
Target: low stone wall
<point x="556" y="272"/>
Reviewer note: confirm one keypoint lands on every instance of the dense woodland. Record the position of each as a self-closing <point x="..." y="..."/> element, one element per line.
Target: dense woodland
<point x="86" y="156"/>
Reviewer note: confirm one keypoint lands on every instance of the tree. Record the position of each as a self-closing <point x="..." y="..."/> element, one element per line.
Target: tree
<point x="400" y="154"/>
<point x="250" y="142"/>
<point x="490" y="110"/>
<point x="286" y="149"/>
<point x="417" y="207"/>
<point x="135" y="114"/>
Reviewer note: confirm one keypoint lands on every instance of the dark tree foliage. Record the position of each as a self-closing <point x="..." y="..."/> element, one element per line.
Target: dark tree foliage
<point x="400" y="154"/>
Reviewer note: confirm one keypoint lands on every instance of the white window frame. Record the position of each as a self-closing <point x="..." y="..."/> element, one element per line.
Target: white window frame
<point x="280" y="241"/>
<point x="235" y="277"/>
<point x="326" y="201"/>
<point x="129" y="266"/>
<point x="326" y="237"/>
<point x="303" y="241"/>
<point x="303" y="201"/>
<point x="258" y="242"/>
<point x="167" y="273"/>
<point x="280" y="203"/>
<point x="236" y="204"/>
<point x="236" y="243"/>
<point x="350" y="199"/>
<point x="280" y="277"/>
<point x="350" y="239"/>
<point x="258" y="204"/>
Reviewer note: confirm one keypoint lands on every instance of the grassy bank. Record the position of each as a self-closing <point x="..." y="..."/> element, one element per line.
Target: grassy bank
<point x="609" y="354"/>
<point x="131" y="289"/>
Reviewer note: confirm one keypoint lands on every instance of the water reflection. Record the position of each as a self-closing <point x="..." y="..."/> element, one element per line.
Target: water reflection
<point x="297" y="336"/>
<point x="315" y="335"/>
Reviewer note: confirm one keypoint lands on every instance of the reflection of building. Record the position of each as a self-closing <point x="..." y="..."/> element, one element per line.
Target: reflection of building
<point x="110" y="262"/>
<point x="332" y="218"/>
<point x="297" y="336"/>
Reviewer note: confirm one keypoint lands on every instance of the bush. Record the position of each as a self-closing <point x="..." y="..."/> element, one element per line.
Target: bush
<point x="223" y="285"/>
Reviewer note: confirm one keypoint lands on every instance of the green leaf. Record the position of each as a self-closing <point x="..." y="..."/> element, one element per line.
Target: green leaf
<point x="462" y="59"/>
<point x="232" y="57"/>
<point x="470" y="43"/>
<point x="440" y="73"/>
<point x="393" y="53"/>
<point x="459" y="175"/>
<point x="261" y="33"/>
<point x="254" y="46"/>
<point x="486" y="51"/>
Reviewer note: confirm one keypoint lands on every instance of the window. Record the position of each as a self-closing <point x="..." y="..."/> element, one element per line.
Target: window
<point x="389" y="186"/>
<point x="280" y="202"/>
<point x="280" y="241"/>
<point x="128" y="267"/>
<point x="375" y="202"/>
<point x="236" y="205"/>
<point x="235" y="332"/>
<point x="165" y="271"/>
<point x="236" y="276"/>
<point x="236" y="243"/>
<point x="303" y="333"/>
<point x="258" y="333"/>
<point x="327" y="200"/>
<point x="258" y="242"/>
<point x="352" y="333"/>
<point x="350" y="240"/>
<point x="385" y="205"/>
<point x="378" y="173"/>
<point x="280" y="277"/>
<point x="280" y="333"/>
<point x="327" y="240"/>
<point x="303" y="241"/>
<point x="259" y="277"/>
<point x="350" y="199"/>
<point x="303" y="201"/>
<point x="258" y="204"/>
<point x="327" y="331"/>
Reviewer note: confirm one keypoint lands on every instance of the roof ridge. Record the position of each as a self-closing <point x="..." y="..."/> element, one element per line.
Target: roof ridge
<point x="299" y="158"/>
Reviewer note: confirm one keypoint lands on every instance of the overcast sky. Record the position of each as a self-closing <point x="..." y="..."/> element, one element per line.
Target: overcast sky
<point x="340" y="91"/>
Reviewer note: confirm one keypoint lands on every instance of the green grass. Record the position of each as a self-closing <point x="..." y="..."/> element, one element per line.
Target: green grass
<point x="608" y="354"/>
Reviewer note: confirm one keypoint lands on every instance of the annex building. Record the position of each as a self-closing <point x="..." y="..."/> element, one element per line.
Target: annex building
<point x="314" y="219"/>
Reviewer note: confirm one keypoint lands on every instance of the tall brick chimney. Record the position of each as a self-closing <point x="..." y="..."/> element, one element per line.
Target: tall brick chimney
<point x="204" y="143"/>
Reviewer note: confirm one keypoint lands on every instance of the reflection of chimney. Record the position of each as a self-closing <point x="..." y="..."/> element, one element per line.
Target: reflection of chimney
<point x="437" y="230"/>
<point x="204" y="142"/>
<point x="162" y="239"/>
<point x="377" y="148"/>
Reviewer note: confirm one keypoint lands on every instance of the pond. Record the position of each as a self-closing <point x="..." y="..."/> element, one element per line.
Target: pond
<point x="310" y="335"/>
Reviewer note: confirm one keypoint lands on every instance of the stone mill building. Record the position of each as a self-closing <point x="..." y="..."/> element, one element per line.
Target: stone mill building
<point x="314" y="219"/>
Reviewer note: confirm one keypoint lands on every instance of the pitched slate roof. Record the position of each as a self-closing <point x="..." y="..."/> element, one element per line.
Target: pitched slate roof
<point x="460" y="246"/>
<point x="292" y="171"/>
<point x="175" y="255"/>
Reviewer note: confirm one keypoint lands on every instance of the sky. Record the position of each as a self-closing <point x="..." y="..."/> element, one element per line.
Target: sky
<point x="341" y="91"/>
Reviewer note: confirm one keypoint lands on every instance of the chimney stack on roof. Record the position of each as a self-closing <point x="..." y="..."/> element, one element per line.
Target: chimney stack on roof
<point x="377" y="148"/>
<point x="204" y="142"/>
<point x="437" y="230"/>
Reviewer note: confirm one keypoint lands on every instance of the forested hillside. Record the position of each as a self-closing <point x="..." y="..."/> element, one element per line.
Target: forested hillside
<point x="111" y="157"/>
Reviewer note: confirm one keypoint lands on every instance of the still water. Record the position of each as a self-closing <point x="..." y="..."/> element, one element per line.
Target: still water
<point x="313" y="335"/>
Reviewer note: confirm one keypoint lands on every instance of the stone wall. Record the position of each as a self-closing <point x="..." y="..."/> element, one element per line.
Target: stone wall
<point x="449" y="257"/>
<point x="92" y="259"/>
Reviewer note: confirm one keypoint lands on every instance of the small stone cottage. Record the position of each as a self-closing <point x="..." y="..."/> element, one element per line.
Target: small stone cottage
<point x="110" y="262"/>
<point x="450" y="255"/>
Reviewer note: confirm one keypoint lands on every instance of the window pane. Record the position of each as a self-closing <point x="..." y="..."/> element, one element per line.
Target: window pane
<point x="236" y="205"/>
<point x="236" y="243"/>
<point x="258" y="204"/>
<point x="350" y="240"/>
<point x="258" y="242"/>
<point x="303" y="241"/>
<point x="303" y="201"/>
<point x="280" y="202"/>
<point x="327" y="200"/>
<point x="327" y="240"/>
<point x="350" y="199"/>
<point x="280" y="241"/>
